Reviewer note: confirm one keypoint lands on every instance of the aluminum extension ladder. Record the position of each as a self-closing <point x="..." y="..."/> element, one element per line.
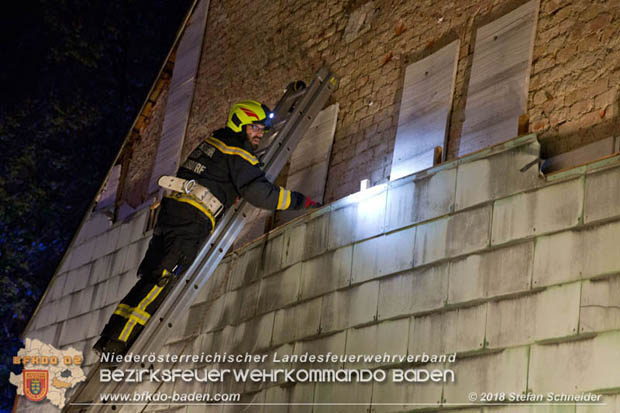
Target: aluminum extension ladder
<point x="297" y="109"/>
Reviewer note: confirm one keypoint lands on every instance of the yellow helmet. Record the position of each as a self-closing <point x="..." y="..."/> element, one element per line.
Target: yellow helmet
<point x="247" y="112"/>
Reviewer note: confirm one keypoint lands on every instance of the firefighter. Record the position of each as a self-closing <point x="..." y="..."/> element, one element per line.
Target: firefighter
<point x="220" y="169"/>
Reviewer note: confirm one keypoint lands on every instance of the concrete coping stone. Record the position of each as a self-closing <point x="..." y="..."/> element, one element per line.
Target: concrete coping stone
<point x="483" y="153"/>
<point x="606" y="162"/>
<point x="498" y="148"/>
<point x="303" y="219"/>
<point x="474" y="156"/>
<point x="377" y="189"/>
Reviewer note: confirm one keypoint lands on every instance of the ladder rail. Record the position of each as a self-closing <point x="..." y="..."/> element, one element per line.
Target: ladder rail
<point x="275" y="160"/>
<point x="282" y="111"/>
<point x="190" y="283"/>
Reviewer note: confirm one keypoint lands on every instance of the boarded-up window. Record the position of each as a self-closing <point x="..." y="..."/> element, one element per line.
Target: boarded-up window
<point x="307" y="172"/>
<point x="424" y="111"/>
<point x="180" y="96"/>
<point x="107" y="197"/>
<point x="498" y="86"/>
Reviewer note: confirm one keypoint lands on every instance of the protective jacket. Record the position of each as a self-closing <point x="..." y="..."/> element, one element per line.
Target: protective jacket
<point x="226" y="164"/>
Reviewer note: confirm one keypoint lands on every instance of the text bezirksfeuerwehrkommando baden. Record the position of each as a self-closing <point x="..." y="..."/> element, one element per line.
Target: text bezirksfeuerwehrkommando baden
<point x="275" y="375"/>
<point x="277" y="358"/>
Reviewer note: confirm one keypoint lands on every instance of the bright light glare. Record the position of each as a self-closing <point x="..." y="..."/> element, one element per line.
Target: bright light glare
<point x="364" y="184"/>
<point x="371" y="203"/>
<point x="369" y="209"/>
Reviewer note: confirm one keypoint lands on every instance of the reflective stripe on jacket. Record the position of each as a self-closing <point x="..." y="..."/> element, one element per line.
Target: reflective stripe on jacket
<point x="225" y="163"/>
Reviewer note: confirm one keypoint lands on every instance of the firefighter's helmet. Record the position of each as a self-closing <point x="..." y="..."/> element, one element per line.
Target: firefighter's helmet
<point x="247" y="112"/>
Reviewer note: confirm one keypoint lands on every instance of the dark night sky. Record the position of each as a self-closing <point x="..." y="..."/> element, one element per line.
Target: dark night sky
<point x="74" y="75"/>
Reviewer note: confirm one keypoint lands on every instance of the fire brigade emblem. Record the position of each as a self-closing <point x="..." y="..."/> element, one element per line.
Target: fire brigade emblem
<point x="35" y="384"/>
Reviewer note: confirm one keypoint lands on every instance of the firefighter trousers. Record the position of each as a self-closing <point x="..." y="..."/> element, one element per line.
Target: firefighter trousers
<point x="178" y="235"/>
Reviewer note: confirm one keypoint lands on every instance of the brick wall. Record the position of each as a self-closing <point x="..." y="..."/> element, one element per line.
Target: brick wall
<point x="574" y="91"/>
<point x="253" y="49"/>
<point x="96" y="273"/>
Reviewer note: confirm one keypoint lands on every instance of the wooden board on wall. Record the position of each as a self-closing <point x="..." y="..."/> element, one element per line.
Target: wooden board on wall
<point x="499" y="82"/>
<point x="108" y="195"/>
<point x="310" y="161"/>
<point x="424" y="111"/>
<point x="180" y="96"/>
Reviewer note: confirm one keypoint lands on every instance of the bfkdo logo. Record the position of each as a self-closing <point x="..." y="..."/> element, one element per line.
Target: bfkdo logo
<point x="47" y="372"/>
<point x="36" y="384"/>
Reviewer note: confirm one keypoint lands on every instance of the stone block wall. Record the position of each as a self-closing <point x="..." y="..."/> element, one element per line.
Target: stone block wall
<point x="96" y="273"/>
<point x="515" y="273"/>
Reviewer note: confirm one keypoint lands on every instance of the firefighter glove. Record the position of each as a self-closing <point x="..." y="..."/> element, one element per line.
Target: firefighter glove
<point x="309" y="204"/>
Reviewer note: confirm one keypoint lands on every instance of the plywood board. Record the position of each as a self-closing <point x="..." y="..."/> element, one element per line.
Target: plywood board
<point x="108" y="195"/>
<point x="310" y="161"/>
<point x="180" y="97"/>
<point x="498" y="86"/>
<point x="315" y="147"/>
<point x="424" y="111"/>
